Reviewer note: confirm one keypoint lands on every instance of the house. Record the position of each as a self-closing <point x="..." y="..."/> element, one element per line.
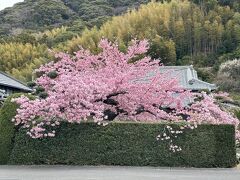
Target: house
<point x="10" y="85"/>
<point x="188" y="78"/>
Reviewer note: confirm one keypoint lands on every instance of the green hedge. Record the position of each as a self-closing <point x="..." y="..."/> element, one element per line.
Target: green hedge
<point x="130" y="144"/>
<point x="7" y="128"/>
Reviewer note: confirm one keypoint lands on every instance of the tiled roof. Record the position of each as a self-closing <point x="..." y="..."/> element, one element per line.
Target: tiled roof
<point x="8" y="81"/>
<point x="188" y="77"/>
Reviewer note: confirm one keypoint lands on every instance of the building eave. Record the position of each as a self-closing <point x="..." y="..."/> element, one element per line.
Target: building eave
<point x="23" y="88"/>
<point x="14" y="87"/>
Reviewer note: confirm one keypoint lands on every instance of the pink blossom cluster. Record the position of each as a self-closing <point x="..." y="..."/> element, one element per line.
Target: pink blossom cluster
<point x="106" y="87"/>
<point x="208" y="111"/>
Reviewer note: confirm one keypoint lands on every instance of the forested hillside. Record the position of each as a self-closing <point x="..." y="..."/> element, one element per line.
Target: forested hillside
<point x="178" y="31"/>
<point x="205" y="33"/>
<point x="38" y="15"/>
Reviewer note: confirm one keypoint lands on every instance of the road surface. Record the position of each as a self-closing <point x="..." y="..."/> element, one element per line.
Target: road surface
<point x="114" y="173"/>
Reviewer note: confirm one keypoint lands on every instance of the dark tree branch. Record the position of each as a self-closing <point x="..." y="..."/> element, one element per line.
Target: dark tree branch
<point x="112" y="115"/>
<point x="111" y="102"/>
<point x="141" y="109"/>
<point x="111" y="95"/>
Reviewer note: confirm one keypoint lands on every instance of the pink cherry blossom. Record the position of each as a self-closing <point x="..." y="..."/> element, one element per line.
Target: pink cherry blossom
<point x="107" y="87"/>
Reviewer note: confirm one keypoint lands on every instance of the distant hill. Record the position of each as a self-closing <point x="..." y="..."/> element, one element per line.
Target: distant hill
<point x="39" y="15"/>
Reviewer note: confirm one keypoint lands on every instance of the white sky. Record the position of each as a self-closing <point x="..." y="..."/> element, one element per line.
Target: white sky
<point x="8" y="3"/>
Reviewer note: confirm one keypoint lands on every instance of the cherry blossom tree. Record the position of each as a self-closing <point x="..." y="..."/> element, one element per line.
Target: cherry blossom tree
<point x="106" y="87"/>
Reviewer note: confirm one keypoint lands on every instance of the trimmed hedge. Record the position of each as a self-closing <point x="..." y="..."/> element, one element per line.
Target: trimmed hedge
<point x="129" y="144"/>
<point x="7" y="128"/>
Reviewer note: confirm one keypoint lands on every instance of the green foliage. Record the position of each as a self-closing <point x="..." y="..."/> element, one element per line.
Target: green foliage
<point x="50" y="12"/>
<point x="235" y="96"/>
<point x="21" y="59"/>
<point x="24" y="38"/>
<point x="43" y="95"/>
<point x="7" y="128"/>
<point x="52" y="74"/>
<point x="26" y="48"/>
<point x="35" y="15"/>
<point x="163" y="50"/>
<point x="229" y="56"/>
<point x="205" y="74"/>
<point x="236" y="99"/>
<point x="46" y="14"/>
<point x="39" y="89"/>
<point x="129" y="144"/>
<point x="237" y="114"/>
<point x="53" y="37"/>
<point x="176" y="30"/>
<point x="31" y="84"/>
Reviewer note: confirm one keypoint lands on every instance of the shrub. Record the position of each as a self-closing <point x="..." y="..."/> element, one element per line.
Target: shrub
<point x="7" y="128"/>
<point x="39" y="89"/>
<point x="205" y="74"/>
<point x="43" y="95"/>
<point x="228" y="76"/>
<point x="128" y="144"/>
<point x="31" y="84"/>
<point x="231" y="68"/>
<point x="52" y="74"/>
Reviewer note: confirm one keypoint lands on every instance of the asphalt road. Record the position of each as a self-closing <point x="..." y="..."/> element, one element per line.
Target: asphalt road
<point x="114" y="173"/>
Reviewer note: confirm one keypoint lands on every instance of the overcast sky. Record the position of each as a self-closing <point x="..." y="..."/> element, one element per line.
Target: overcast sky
<point x="8" y="3"/>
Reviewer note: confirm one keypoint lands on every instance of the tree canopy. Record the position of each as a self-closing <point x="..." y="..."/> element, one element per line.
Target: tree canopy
<point x="106" y="87"/>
